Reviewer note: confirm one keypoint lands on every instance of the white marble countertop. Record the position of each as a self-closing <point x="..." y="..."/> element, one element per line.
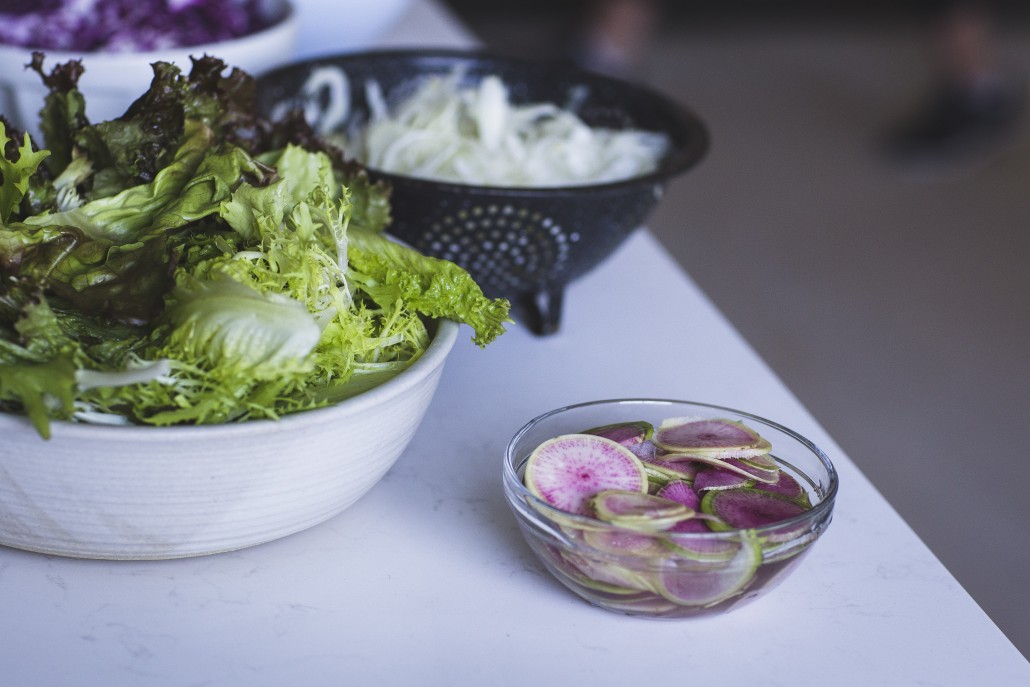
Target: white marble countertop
<point x="427" y="581"/>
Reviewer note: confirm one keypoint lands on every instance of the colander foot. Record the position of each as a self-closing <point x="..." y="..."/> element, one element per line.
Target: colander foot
<point x="543" y="310"/>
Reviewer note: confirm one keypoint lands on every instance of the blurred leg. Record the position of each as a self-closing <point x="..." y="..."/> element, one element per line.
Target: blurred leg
<point x="974" y="104"/>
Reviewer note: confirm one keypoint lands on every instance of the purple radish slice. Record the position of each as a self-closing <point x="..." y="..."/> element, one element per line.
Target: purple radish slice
<point x="748" y="508"/>
<point x="629" y="434"/>
<point x="638" y="511"/>
<point x="645" y="450"/>
<point x="700" y="549"/>
<point x="626" y="543"/>
<point x="681" y="492"/>
<point x="693" y="462"/>
<point x="701" y="586"/>
<point x="715" y="478"/>
<point x="711" y="436"/>
<point x="567" y="470"/>
<point x="787" y="487"/>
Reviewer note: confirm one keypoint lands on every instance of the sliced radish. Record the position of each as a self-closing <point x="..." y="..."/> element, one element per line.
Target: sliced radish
<point x="787" y="487"/>
<point x="748" y="508"/>
<point x="672" y="470"/>
<point x="762" y="461"/>
<point x="758" y="472"/>
<point x="638" y="511"/>
<point x="706" y="585"/>
<point x="567" y="470"/>
<point x="715" y="478"/>
<point x="683" y="461"/>
<point x="629" y="434"/>
<point x="657" y="511"/>
<point x="681" y="492"/>
<point x="646" y="450"/>
<point x="604" y="577"/>
<point x="626" y="543"/>
<point x="709" y="436"/>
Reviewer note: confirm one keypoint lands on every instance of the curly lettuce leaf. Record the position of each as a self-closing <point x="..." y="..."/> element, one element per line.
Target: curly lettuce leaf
<point x="16" y="173"/>
<point x="389" y="271"/>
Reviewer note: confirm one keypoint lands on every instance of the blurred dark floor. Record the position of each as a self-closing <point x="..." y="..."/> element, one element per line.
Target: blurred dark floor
<point x="896" y="308"/>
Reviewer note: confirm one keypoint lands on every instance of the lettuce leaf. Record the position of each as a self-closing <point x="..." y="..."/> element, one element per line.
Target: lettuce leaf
<point x="15" y="174"/>
<point x="389" y="271"/>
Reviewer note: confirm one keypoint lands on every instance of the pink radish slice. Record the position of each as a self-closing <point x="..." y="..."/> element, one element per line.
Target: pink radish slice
<point x="568" y="470"/>
<point x="747" y="508"/>
<point x="707" y="435"/>
<point x="714" y="478"/>
<point x="680" y="491"/>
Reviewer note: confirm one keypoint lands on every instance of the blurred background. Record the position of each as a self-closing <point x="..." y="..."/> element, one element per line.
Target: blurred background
<point x="881" y="272"/>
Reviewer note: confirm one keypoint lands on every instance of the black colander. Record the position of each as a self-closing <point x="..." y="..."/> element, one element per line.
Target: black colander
<point x="524" y="244"/>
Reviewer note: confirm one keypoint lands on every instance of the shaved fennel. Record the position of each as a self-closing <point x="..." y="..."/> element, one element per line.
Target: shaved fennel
<point x="476" y="135"/>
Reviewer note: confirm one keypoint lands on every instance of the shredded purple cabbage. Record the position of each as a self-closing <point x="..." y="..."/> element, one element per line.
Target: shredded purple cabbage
<point x="128" y="25"/>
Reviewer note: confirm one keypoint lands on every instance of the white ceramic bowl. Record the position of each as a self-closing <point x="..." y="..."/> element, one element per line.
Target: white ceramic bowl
<point x="170" y="492"/>
<point x="112" y="81"/>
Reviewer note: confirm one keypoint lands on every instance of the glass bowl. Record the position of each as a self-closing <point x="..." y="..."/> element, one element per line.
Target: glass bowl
<point x="666" y="574"/>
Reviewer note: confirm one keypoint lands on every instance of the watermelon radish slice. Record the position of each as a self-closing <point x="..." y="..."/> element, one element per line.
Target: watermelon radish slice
<point x="671" y="470"/>
<point x="707" y="585"/>
<point x="626" y="543"/>
<point x="681" y="461"/>
<point x="567" y="470"/>
<point x="764" y="461"/>
<point x="715" y="437"/>
<point x="646" y="450"/>
<point x="638" y="511"/>
<point x="748" y="508"/>
<point x="760" y="474"/>
<point x="629" y="434"/>
<point x="604" y="577"/>
<point x="715" y="478"/>
<point x="680" y="492"/>
<point x="787" y="487"/>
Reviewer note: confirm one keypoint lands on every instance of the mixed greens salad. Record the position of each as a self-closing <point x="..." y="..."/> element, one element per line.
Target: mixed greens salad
<point x="191" y="262"/>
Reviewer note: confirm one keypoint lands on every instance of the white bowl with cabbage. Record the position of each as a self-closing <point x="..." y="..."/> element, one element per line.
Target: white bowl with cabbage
<point x="118" y="40"/>
<point x="206" y="339"/>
